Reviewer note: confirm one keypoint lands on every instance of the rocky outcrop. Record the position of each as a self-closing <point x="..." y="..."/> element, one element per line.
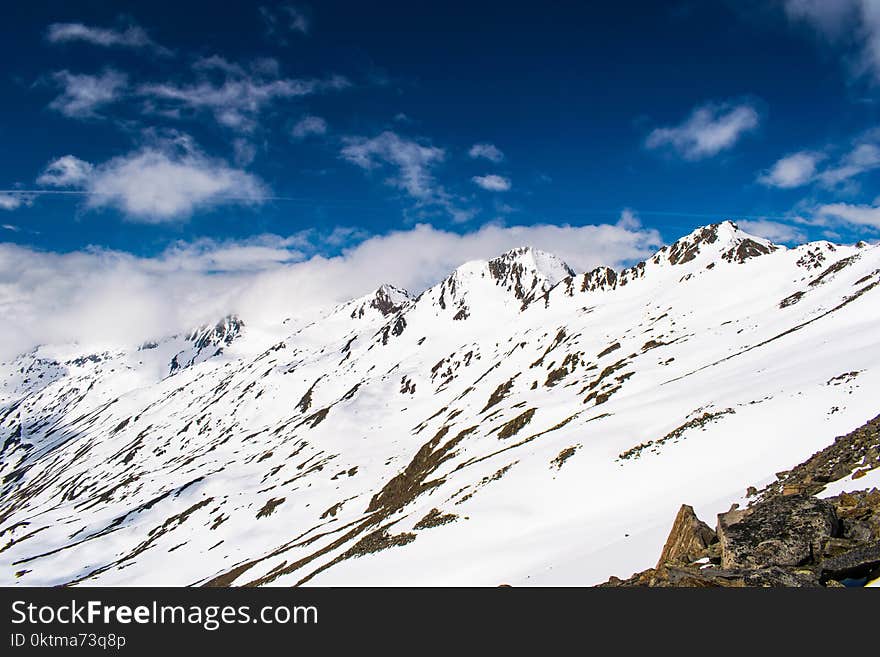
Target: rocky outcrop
<point x="688" y="538"/>
<point x="787" y="536"/>
<point x="793" y="540"/>
<point x="781" y="532"/>
<point x="857" y="452"/>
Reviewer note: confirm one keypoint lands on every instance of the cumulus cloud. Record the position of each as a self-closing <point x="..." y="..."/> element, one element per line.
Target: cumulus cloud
<point x="66" y="171"/>
<point x="852" y="23"/>
<point x="309" y="126"/>
<point x="709" y="129"/>
<point x="773" y="231"/>
<point x="487" y="152"/>
<point x="237" y="100"/>
<point x="83" y="94"/>
<point x="101" y="297"/>
<point x="157" y="185"/>
<point x="492" y="182"/>
<point x="792" y="170"/>
<point x="131" y="36"/>
<point x="163" y="182"/>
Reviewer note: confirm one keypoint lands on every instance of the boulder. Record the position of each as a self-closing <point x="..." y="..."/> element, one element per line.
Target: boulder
<point x="787" y="531"/>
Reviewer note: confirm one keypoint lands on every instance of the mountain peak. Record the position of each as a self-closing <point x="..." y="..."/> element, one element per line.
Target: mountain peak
<point x="526" y="258"/>
<point x="724" y="239"/>
<point x="386" y="300"/>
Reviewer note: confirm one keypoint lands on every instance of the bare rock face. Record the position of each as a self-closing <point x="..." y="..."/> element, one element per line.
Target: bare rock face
<point x="777" y="533"/>
<point x="688" y="538"/>
<point x="780" y="541"/>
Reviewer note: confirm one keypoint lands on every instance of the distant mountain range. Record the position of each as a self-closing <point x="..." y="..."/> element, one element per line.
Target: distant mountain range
<point x="516" y="423"/>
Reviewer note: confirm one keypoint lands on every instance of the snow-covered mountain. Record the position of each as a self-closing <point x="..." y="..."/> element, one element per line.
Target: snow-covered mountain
<point x="516" y="423"/>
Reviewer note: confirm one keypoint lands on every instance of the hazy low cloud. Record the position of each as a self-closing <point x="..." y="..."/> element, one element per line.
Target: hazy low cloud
<point x="130" y="36"/>
<point x="308" y="126"/>
<point x="163" y="182"/>
<point x="773" y="231"/>
<point x="492" y="182"/>
<point x="82" y="94"/>
<point x="487" y="152"/>
<point x="101" y="297"/>
<point x="708" y="130"/>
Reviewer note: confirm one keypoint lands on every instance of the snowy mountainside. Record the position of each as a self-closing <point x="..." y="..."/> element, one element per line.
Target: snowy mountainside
<point x="515" y="423"/>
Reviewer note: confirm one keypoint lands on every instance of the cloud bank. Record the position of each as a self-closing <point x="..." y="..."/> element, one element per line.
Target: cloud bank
<point x="102" y="297"/>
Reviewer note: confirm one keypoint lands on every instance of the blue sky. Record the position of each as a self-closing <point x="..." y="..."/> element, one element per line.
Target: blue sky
<point x="143" y="128"/>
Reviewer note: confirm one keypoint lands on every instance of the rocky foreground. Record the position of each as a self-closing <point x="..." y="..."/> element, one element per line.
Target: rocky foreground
<point x="787" y="536"/>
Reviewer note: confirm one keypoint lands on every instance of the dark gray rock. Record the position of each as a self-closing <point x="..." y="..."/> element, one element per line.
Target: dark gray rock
<point x="787" y="531"/>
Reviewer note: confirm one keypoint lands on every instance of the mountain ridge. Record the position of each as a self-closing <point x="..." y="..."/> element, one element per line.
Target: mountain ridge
<point x="538" y="426"/>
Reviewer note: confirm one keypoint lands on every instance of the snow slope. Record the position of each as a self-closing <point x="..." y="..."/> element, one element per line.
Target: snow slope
<point x="516" y="423"/>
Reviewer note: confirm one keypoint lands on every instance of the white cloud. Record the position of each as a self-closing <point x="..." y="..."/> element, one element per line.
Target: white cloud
<point x="802" y="168"/>
<point x="629" y="220"/>
<point x="83" y="94"/>
<point x="106" y="297"/>
<point x="486" y="151"/>
<point x="867" y="216"/>
<point x="792" y="170"/>
<point x="237" y="101"/>
<point x="411" y="160"/>
<point x="284" y="19"/>
<point x="773" y="231"/>
<point x="862" y="158"/>
<point x="132" y="36"/>
<point x="13" y="201"/>
<point x="708" y="130"/>
<point x="848" y="22"/>
<point x="66" y="171"/>
<point x="244" y="152"/>
<point x="163" y="182"/>
<point x="157" y="185"/>
<point x="492" y="182"/>
<point x="309" y="126"/>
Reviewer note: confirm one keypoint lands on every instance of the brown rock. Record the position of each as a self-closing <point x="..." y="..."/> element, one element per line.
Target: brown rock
<point x="688" y="538"/>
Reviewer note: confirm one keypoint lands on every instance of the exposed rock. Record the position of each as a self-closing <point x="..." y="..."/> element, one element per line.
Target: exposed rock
<point x="795" y="540"/>
<point x="780" y="532"/>
<point x="689" y="537"/>
<point x="859" y="563"/>
<point x="858" y="449"/>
